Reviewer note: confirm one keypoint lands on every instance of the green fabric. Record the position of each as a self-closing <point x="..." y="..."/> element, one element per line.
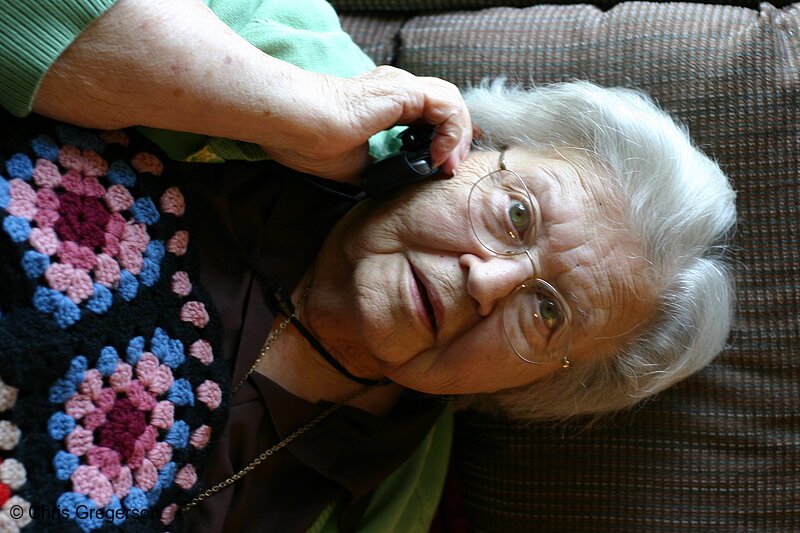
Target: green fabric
<point x="407" y="500"/>
<point x="33" y="34"/>
<point x="306" y="34"/>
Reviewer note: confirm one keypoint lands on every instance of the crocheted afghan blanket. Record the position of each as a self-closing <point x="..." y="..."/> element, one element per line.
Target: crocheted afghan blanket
<point x="110" y="373"/>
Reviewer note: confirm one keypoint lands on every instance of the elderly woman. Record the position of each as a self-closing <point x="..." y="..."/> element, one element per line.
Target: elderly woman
<point x="579" y="237"/>
<point x="570" y="266"/>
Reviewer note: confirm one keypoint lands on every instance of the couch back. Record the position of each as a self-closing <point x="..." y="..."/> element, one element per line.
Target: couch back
<point x="721" y="451"/>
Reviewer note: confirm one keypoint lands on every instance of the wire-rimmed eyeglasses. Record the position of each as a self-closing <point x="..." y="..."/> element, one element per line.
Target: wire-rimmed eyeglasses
<point x="505" y="218"/>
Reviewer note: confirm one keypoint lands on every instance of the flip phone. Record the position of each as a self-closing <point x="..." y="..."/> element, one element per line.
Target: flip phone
<point x="410" y="164"/>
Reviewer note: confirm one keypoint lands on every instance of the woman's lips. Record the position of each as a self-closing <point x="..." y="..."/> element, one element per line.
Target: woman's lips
<point x="426" y="301"/>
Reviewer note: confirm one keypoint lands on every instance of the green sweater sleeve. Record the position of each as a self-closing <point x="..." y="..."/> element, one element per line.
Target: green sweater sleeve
<point x="33" y="33"/>
<point x="406" y="501"/>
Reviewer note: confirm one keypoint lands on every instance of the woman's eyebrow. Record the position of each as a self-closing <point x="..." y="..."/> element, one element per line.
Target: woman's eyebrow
<point x="533" y="179"/>
<point x="547" y="173"/>
<point x="580" y="317"/>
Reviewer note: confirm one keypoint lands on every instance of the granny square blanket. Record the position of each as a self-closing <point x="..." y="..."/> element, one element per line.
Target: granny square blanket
<point x="111" y="388"/>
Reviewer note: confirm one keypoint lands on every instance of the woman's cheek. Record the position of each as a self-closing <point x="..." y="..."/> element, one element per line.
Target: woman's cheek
<point x="474" y="348"/>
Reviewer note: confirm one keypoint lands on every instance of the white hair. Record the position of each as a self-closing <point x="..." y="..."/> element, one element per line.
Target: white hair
<point x="676" y="201"/>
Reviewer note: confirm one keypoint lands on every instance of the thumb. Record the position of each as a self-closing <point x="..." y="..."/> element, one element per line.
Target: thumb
<point x="346" y="167"/>
<point x="349" y="167"/>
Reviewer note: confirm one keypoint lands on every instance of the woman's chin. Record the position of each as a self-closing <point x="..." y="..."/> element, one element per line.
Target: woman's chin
<point x="392" y="354"/>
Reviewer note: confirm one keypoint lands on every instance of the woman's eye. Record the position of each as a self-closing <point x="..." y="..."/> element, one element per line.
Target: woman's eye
<point x="550" y="312"/>
<point x="520" y="217"/>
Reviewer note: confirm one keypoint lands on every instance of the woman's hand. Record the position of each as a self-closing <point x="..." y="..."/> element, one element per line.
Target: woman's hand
<point x="175" y="65"/>
<point x="334" y="117"/>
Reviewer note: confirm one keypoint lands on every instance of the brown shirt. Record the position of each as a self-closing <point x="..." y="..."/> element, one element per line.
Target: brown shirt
<point x="282" y="220"/>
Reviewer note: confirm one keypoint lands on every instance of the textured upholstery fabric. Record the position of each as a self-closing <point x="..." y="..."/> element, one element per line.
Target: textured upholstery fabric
<point x="721" y="451"/>
<point x="375" y="33"/>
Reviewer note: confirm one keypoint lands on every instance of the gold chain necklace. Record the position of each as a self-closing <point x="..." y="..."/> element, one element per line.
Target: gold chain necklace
<point x="266" y="454"/>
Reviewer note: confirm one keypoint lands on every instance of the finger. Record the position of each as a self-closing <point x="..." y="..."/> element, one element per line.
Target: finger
<point x="452" y="162"/>
<point x="449" y="154"/>
<point x="447" y="111"/>
<point x="416" y="99"/>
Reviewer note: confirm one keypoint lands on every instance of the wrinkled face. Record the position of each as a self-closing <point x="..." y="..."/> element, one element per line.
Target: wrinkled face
<point x="418" y="296"/>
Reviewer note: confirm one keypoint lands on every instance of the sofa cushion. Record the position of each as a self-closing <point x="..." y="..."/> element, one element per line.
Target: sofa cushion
<point x="449" y="5"/>
<point x="721" y="451"/>
<point x="375" y="33"/>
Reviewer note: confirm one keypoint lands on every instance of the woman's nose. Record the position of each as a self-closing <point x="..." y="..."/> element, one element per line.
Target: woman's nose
<point x="490" y="279"/>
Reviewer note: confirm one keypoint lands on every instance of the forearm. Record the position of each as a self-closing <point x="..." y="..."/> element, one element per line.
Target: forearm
<point x="172" y="65"/>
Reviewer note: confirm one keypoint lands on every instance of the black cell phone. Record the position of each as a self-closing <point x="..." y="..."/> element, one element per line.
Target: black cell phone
<point x="410" y="164"/>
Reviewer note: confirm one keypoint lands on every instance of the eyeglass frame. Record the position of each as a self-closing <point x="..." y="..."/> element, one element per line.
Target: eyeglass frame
<point x="565" y="362"/>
